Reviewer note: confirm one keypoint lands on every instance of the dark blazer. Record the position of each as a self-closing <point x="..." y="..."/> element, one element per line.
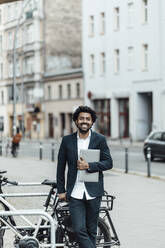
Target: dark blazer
<point x="68" y="153"/>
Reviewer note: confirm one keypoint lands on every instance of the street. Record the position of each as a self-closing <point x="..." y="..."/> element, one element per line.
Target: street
<point x="138" y="213"/>
<point x="136" y="161"/>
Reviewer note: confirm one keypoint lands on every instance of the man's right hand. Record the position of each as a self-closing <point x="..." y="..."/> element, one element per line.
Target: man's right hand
<point x="62" y="196"/>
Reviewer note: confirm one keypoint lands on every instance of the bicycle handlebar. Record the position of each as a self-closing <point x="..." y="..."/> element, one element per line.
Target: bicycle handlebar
<point x="2" y="172"/>
<point x="5" y="180"/>
<point x="12" y="182"/>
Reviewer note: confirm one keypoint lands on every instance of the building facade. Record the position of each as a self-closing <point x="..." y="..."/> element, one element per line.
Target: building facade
<point x="123" y="61"/>
<point x="21" y="34"/>
<point x="63" y="94"/>
<point x="45" y="37"/>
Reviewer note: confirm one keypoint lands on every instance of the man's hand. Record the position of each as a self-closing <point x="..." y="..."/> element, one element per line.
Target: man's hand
<point x="82" y="164"/>
<point x="62" y="196"/>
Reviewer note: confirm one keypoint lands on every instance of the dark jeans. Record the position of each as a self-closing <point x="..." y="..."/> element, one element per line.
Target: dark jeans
<point x="84" y="215"/>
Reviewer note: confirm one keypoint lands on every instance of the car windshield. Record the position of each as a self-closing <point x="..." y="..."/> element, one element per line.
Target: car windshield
<point x="157" y="136"/>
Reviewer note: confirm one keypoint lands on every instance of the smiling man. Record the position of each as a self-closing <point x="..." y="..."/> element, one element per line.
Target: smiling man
<point x="84" y="197"/>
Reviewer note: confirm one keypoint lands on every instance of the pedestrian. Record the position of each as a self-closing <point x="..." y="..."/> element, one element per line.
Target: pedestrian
<point x="84" y="197"/>
<point x="16" y="140"/>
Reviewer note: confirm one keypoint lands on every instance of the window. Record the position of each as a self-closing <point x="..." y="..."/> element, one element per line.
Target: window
<point x="144" y="11"/>
<point x="49" y="92"/>
<point x="91" y="25"/>
<point x="116" y="60"/>
<point x="130" y="57"/>
<point x="10" y="40"/>
<point x="116" y="18"/>
<point x="103" y="63"/>
<point x="10" y="93"/>
<point x="28" y="66"/>
<point x="130" y="14"/>
<point x="29" y="33"/>
<point x="156" y="136"/>
<point x="0" y="16"/>
<point x="1" y="70"/>
<point x="17" y="68"/>
<point x="92" y="64"/>
<point x="78" y="90"/>
<point x="1" y="123"/>
<point x="145" y="57"/>
<point x="17" y="39"/>
<point x="60" y="91"/>
<point x="102" y="23"/>
<point x="2" y="97"/>
<point x="69" y="90"/>
<point x="29" y="95"/>
<point x="10" y="69"/>
<point x="1" y="44"/>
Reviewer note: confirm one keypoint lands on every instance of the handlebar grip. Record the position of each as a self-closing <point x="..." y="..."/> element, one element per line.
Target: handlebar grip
<point x="2" y="172"/>
<point x="12" y="182"/>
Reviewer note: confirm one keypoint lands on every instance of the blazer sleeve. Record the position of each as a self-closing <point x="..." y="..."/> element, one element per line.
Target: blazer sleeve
<point x="105" y="162"/>
<point x="61" y="164"/>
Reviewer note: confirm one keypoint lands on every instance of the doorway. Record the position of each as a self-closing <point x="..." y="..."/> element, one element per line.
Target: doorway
<point x="51" y="125"/>
<point x="124" y="118"/>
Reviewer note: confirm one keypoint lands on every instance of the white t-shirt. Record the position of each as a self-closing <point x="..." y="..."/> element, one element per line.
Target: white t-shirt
<point x="79" y="187"/>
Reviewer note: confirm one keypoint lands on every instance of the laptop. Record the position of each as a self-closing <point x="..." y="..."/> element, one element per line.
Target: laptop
<point x="89" y="155"/>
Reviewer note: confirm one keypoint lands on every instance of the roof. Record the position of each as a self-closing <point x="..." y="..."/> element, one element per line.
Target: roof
<point x="56" y="73"/>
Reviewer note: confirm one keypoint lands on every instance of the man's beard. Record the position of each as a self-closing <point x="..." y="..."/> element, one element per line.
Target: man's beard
<point x="82" y="130"/>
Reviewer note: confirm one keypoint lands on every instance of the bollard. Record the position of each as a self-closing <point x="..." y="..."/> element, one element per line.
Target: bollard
<point x="148" y="161"/>
<point x="0" y="147"/>
<point x="40" y="150"/>
<point x="53" y="151"/>
<point x="126" y="160"/>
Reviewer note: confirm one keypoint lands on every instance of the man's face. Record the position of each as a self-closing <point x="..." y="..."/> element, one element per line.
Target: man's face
<point x="84" y="122"/>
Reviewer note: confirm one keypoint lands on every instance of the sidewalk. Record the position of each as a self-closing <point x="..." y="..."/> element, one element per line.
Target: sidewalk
<point x="139" y="208"/>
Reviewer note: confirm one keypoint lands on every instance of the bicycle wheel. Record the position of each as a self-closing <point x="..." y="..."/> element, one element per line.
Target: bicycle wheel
<point x="103" y="233"/>
<point x="2" y="231"/>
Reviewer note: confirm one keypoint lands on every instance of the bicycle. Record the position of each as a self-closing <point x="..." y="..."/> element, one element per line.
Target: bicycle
<point x="39" y="234"/>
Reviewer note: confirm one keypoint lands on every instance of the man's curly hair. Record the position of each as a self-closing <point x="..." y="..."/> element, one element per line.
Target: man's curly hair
<point x="84" y="109"/>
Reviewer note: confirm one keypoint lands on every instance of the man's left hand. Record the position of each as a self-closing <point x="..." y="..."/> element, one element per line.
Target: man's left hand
<point x="82" y="164"/>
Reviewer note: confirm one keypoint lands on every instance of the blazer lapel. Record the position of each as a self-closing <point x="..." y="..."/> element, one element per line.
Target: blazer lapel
<point x="75" y="148"/>
<point x="91" y="143"/>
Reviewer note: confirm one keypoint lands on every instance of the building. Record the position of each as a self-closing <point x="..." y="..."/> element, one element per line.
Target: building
<point x="123" y="61"/>
<point x="63" y="78"/>
<point x="45" y="37"/>
<point x="22" y="35"/>
<point x="63" y="93"/>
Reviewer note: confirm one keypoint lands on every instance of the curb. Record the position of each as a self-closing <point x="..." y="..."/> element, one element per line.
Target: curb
<point x="135" y="173"/>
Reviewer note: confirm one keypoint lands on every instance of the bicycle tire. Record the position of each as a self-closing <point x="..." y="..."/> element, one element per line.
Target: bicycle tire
<point x="1" y="239"/>
<point x="2" y="231"/>
<point x="103" y="235"/>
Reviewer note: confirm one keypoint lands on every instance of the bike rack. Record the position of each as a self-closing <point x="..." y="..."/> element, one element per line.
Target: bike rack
<point x="41" y="213"/>
<point x="21" y="213"/>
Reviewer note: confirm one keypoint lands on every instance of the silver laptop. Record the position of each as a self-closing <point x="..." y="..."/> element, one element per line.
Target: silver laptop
<point x="89" y="155"/>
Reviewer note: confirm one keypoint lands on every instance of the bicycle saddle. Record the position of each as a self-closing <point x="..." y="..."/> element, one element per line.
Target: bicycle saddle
<point x="51" y="183"/>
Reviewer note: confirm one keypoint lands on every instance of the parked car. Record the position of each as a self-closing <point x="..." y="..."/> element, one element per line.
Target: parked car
<point x="156" y="141"/>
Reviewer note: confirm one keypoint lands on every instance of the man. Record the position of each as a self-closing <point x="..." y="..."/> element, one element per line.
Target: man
<point x="84" y="197"/>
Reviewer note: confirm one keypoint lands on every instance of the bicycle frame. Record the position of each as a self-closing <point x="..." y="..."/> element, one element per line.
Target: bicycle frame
<point x="55" y="208"/>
